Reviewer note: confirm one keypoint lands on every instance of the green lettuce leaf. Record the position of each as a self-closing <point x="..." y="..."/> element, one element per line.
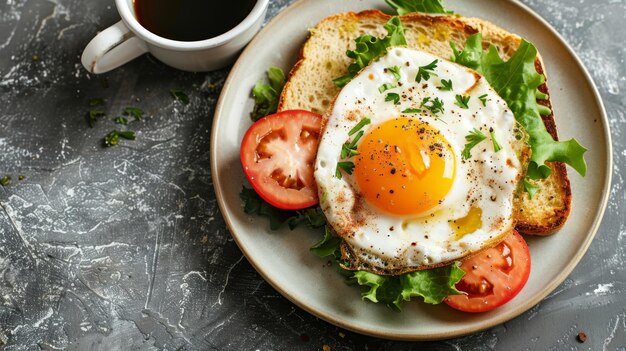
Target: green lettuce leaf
<point x="369" y="47"/>
<point x="266" y="95"/>
<point x="530" y="188"/>
<point x="329" y="246"/>
<point x="433" y="285"/>
<point x="254" y="204"/>
<point x="311" y="217"/>
<point x="517" y="82"/>
<point x="407" y="6"/>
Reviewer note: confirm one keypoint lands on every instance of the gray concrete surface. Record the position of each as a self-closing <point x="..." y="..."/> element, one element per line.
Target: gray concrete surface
<point x="124" y="248"/>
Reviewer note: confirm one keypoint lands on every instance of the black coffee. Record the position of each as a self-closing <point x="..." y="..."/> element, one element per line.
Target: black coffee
<point x="191" y="20"/>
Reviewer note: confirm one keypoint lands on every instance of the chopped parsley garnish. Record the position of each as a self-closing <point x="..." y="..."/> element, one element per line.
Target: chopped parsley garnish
<point x="324" y="197"/>
<point x="179" y="95"/>
<point x="412" y="110"/>
<point x="369" y="47"/>
<point x="349" y="149"/>
<point x="473" y="138"/>
<point x="113" y="137"/>
<point x="93" y="117"/>
<point x="6" y="180"/>
<point x="435" y="106"/>
<point x="386" y="87"/>
<point x="96" y="102"/>
<point x="462" y="101"/>
<point x="358" y="126"/>
<point x="134" y="112"/>
<point x="347" y="166"/>
<point x="446" y="85"/>
<point x="120" y="120"/>
<point x="483" y="99"/>
<point x="496" y="146"/>
<point x="424" y="72"/>
<point x="393" y="97"/>
<point x="395" y="70"/>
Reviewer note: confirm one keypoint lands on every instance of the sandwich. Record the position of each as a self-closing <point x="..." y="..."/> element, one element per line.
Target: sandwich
<point x="434" y="146"/>
<point x="322" y="58"/>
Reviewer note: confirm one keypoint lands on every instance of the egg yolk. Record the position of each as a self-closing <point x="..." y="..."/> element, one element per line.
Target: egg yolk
<point x="404" y="166"/>
<point x="468" y="224"/>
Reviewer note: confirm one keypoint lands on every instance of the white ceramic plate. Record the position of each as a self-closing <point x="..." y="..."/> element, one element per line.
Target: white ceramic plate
<point x="283" y="257"/>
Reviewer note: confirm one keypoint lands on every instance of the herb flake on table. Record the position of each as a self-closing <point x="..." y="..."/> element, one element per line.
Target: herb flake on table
<point x="179" y="95"/>
<point x="114" y="136"/>
<point x="6" y="180"/>
<point x="135" y="112"/>
<point x="121" y="120"/>
<point x="96" y="102"/>
<point x="93" y="116"/>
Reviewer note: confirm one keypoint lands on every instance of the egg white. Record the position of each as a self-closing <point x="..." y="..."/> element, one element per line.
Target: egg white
<point x="389" y="244"/>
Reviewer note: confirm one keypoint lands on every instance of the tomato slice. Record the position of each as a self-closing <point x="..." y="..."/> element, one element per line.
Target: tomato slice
<point x="493" y="277"/>
<point x="278" y="157"/>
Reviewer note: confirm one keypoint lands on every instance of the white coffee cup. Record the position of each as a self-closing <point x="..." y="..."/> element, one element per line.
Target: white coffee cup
<point x="128" y="39"/>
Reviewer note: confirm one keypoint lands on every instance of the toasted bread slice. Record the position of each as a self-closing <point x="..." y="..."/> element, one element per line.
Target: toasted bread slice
<point x="323" y="58"/>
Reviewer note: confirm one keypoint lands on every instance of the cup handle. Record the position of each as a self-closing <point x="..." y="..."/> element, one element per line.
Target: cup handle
<point x="112" y="48"/>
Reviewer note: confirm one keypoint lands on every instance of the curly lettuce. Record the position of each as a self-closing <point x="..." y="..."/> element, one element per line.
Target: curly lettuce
<point x="369" y="47"/>
<point x="328" y="246"/>
<point x="517" y="82"/>
<point x="427" y="6"/>
<point x="433" y="285"/>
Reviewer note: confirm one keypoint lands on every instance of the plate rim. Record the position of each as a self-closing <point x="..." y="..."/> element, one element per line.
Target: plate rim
<point x="513" y="313"/>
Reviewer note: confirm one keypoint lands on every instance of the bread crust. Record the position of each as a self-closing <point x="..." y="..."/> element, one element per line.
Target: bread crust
<point x="533" y="216"/>
<point x="557" y="216"/>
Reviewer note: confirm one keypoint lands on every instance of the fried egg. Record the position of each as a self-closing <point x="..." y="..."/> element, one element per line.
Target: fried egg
<point x="395" y="177"/>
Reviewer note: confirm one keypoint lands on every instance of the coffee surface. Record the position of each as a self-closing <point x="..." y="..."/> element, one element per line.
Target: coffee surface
<point x="191" y="20"/>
